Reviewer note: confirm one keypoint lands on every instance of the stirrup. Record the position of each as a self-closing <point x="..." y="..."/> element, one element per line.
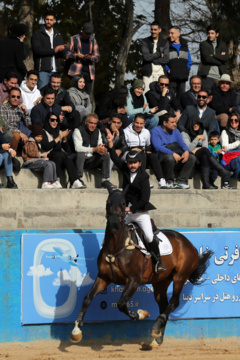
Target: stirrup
<point x="159" y="268"/>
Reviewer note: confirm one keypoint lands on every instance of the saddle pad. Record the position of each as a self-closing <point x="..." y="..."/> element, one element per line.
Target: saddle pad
<point x="165" y="247"/>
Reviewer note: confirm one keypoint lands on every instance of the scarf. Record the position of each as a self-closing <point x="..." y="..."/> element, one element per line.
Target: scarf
<point x="138" y="101"/>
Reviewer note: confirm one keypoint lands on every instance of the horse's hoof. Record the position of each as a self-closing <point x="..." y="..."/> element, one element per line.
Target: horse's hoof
<point x="156" y="333"/>
<point x="76" y="335"/>
<point x="143" y="314"/>
<point x="149" y="345"/>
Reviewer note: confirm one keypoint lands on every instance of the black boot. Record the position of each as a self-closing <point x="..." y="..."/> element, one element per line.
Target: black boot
<point x="219" y="167"/>
<point x="11" y="183"/>
<point x="154" y="250"/>
<point x="205" y="177"/>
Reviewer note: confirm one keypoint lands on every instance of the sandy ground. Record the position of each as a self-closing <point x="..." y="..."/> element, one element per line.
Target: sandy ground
<point x="204" y="349"/>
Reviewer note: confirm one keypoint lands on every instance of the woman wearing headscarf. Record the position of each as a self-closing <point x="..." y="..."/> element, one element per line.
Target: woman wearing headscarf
<point x="79" y="96"/>
<point x="195" y="137"/>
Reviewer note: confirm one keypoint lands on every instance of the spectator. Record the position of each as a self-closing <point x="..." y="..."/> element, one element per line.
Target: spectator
<point x="30" y="94"/>
<point x="6" y="156"/>
<point x="190" y="96"/>
<point x="155" y="53"/>
<point x="16" y="118"/>
<point x="83" y="50"/>
<point x="175" y="154"/>
<point x="223" y="98"/>
<point x="63" y="100"/>
<point x="137" y="103"/>
<point x="216" y="150"/>
<point x="196" y="140"/>
<point x="10" y="81"/>
<point x="79" y="97"/>
<point x="206" y="114"/>
<point x="138" y="138"/>
<point x="163" y="98"/>
<point x="37" y="160"/>
<point x="48" y="47"/>
<point x="91" y="152"/>
<point x="56" y="144"/>
<point x="12" y="55"/>
<point x="114" y="101"/>
<point x="180" y="61"/>
<point x="119" y="142"/>
<point x="230" y="141"/>
<point x="214" y="55"/>
<point x="46" y="105"/>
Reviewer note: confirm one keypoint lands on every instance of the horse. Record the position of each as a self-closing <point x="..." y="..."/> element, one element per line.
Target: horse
<point x="121" y="262"/>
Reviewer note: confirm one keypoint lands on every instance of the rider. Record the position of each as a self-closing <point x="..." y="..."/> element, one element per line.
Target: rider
<point x="137" y="197"/>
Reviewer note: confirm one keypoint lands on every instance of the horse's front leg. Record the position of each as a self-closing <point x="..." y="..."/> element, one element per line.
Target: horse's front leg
<point x="128" y="292"/>
<point x="98" y="286"/>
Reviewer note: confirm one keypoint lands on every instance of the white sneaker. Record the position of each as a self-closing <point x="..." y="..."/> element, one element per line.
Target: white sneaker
<point x="56" y="184"/>
<point x="78" y="184"/>
<point x="47" y="185"/>
<point x="162" y="183"/>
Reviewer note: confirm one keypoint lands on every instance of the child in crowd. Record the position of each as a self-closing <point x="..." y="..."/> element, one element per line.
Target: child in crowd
<point x="37" y="161"/>
<point x="216" y="149"/>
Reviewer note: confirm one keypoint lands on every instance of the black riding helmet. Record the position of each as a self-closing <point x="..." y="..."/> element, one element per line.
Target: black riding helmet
<point x="133" y="155"/>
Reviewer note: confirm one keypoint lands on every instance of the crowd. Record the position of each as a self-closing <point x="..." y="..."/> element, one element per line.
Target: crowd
<point x="173" y="131"/>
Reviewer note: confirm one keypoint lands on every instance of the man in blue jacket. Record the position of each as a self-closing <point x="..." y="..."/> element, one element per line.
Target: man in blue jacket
<point x="168" y="141"/>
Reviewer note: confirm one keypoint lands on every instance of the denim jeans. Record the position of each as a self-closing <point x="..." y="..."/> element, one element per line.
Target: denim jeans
<point x="43" y="79"/>
<point x="7" y="159"/>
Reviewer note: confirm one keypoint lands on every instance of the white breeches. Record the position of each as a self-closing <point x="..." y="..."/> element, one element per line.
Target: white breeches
<point x="144" y="222"/>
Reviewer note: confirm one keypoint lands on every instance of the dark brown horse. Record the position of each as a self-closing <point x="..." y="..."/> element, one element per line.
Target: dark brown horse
<point x="126" y="265"/>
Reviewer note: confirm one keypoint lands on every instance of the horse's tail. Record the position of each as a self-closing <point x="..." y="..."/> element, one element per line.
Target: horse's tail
<point x="203" y="263"/>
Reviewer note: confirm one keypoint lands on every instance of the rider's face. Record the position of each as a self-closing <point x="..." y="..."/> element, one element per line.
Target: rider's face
<point x="133" y="166"/>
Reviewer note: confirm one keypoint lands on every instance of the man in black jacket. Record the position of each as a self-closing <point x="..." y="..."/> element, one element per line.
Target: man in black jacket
<point x="214" y="55"/>
<point x="137" y="197"/>
<point x="155" y="55"/>
<point x="62" y="99"/>
<point x="164" y="98"/>
<point x="180" y="61"/>
<point x="48" y="47"/>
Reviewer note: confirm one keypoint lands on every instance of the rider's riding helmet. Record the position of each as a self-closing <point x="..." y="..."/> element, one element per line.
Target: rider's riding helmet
<point x="133" y="155"/>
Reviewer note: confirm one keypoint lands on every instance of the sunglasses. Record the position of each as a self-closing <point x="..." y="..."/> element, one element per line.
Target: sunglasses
<point x="15" y="96"/>
<point x="234" y="121"/>
<point x="53" y="120"/>
<point x="202" y="97"/>
<point x="163" y="84"/>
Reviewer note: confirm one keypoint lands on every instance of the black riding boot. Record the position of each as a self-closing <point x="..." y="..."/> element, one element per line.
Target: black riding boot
<point x="11" y="183"/>
<point x="154" y="250"/>
<point x="219" y="167"/>
<point x="205" y="177"/>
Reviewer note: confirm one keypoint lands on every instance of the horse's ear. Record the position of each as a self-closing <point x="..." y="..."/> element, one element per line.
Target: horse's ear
<point x="125" y="190"/>
<point x="108" y="186"/>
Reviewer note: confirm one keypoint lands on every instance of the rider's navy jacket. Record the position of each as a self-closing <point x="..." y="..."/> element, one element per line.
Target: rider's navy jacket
<point x="138" y="193"/>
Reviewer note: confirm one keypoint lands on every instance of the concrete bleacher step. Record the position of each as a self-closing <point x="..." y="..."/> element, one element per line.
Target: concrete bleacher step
<point x="27" y="179"/>
<point x="85" y="209"/>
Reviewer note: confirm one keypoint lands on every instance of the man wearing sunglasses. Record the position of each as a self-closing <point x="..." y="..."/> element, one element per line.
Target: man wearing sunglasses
<point x="201" y="109"/>
<point x="163" y="97"/>
<point x="16" y="118"/>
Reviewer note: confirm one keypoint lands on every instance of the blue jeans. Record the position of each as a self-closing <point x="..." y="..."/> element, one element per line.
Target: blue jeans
<point x="7" y="159"/>
<point x="151" y="121"/>
<point x="43" y="79"/>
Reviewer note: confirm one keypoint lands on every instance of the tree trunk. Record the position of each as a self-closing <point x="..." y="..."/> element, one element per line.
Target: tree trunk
<point x="162" y="15"/>
<point x="26" y="16"/>
<point x="125" y="44"/>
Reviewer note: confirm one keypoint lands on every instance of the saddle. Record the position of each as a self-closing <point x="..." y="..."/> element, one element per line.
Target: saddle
<point x="136" y="232"/>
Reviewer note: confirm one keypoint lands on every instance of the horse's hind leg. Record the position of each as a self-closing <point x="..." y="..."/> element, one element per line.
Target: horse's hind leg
<point x="160" y="294"/>
<point x="98" y="286"/>
<point x="161" y="321"/>
<point x="128" y="292"/>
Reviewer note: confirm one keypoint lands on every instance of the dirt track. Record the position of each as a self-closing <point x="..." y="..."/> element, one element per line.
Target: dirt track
<point x="204" y="349"/>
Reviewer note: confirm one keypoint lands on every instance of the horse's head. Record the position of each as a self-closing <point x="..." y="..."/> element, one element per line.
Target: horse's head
<point x="115" y="208"/>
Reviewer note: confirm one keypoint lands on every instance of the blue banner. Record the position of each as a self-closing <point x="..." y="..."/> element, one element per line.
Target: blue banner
<point x="58" y="270"/>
